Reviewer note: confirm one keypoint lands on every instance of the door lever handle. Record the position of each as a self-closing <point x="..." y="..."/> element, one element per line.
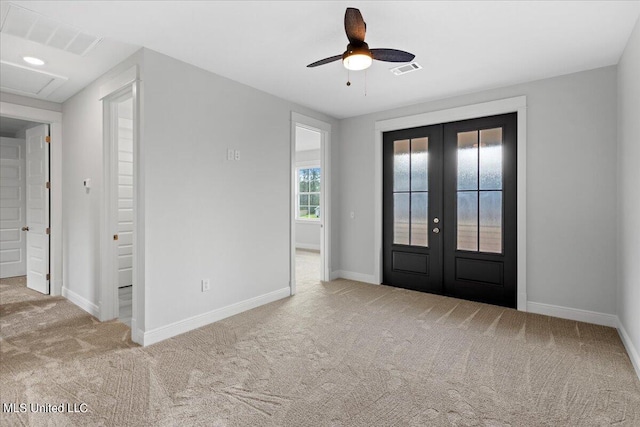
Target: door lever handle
<point x="25" y="228"/>
<point x="436" y="230"/>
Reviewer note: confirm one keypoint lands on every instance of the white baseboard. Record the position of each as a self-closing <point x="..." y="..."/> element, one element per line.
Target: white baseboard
<point x="81" y="302"/>
<point x="164" y="332"/>
<point x="632" y="351"/>
<point x="350" y="275"/>
<point x="308" y="246"/>
<point x="573" y="314"/>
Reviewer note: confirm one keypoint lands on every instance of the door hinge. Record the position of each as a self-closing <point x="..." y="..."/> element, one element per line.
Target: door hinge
<point x="47" y="230"/>
<point x="48" y="276"/>
<point x="48" y="185"/>
<point x="47" y="139"/>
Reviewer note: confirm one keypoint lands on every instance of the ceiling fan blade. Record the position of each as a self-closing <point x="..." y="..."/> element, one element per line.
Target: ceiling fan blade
<point x="324" y="61"/>
<point x="392" y="55"/>
<point x="354" y="26"/>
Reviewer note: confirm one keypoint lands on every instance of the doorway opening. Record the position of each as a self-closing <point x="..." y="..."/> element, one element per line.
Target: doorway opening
<point x="308" y="177"/>
<point x="119" y="284"/>
<point x="309" y="201"/>
<point x="25" y="212"/>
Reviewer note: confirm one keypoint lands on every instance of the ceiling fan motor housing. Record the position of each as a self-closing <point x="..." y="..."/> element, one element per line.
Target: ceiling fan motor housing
<point x="362" y="49"/>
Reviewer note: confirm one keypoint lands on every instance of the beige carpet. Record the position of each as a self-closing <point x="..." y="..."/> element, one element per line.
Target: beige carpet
<point x="340" y="353"/>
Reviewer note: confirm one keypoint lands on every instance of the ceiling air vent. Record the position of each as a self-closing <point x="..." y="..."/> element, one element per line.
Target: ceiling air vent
<point x="407" y="68"/>
<point x="38" y="28"/>
<point x="27" y="81"/>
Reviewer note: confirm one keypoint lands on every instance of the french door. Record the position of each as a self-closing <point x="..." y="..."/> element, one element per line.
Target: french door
<point x="449" y="209"/>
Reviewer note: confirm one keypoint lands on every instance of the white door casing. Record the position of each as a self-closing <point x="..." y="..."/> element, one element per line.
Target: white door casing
<point x="13" y="246"/>
<point x="37" y="201"/>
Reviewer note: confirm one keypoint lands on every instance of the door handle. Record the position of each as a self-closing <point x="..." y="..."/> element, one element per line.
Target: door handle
<point x="436" y="230"/>
<point x="25" y="228"/>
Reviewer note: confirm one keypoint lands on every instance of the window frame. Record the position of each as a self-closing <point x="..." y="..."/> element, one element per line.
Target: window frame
<point x="299" y="167"/>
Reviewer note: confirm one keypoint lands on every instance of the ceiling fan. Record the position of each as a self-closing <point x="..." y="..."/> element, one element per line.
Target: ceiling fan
<point x="358" y="56"/>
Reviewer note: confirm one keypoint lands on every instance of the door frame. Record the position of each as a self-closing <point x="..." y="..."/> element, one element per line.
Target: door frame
<point x="108" y="304"/>
<point x="502" y="106"/>
<point x="54" y="120"/>
<point x="324" y="129"/>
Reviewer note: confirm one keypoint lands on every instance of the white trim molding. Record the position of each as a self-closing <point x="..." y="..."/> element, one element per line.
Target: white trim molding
<point x="180" y="327"/>
<point x="576" y="314"/>
<point x="123" y="79"/>
<point x="632" y="351"/>
<point x="358" y="277"/>
<point x="81" y="302"/>
<point x="509" y="105"/>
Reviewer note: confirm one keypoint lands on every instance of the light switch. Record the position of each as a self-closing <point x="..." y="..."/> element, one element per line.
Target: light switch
<point x="87" y="183"/>
<point x="230" y="154"/>
<point x="352" y="215"/>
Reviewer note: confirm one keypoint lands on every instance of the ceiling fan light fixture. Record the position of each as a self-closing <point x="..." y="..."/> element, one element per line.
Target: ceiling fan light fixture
<point x="357" y="61"/>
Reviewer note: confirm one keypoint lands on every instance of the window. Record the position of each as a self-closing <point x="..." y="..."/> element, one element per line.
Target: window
<point x="308" y="193"/>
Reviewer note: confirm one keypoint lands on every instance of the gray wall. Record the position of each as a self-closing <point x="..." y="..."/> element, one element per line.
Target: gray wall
<point x="628" y="191"/>
<point x="204" y="216"/>
<point x="82" y="158"/>
<point x="571" y="186"/>
<point x="207" y="217"/>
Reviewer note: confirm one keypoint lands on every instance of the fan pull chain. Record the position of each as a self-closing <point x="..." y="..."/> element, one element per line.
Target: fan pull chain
<point x="348" y="78"/>
<point x="365" y="82"/>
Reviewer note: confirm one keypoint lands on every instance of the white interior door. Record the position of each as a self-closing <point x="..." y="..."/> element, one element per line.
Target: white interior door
<point x="13" y="245"/>
<point x="37" y="162"/>
<point x="125" y="195"/>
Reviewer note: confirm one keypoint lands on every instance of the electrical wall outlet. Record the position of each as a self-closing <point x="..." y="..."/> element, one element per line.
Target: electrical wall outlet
<point x="237" y="155"/>
<point x="206" y="285"/>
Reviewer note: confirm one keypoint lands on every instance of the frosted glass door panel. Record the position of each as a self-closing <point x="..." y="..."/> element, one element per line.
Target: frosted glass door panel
<point x="491" y="159"/>
<point x="419" y="220"/>
<point x="467" y="220"/>
<point x="491" y="221"/>
<point x="480" y="183"/>
<point x="410" y="191"/>
<point x="468" y="160"/>
<point x="419" y="164"/>
<point x="401" y="165"/>
<point x="401" y="218"/>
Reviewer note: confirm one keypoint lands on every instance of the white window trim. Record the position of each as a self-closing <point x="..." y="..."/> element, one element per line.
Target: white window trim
<point x="306" y="165"/>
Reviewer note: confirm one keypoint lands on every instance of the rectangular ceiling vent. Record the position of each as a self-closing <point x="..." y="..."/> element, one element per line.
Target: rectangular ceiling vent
<point x="407" y="68"/>
<point x="38" y="28"/>
<point x="23" y="80"/>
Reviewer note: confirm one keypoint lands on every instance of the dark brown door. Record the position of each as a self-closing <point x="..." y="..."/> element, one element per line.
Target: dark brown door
<point x="466" y="245"/>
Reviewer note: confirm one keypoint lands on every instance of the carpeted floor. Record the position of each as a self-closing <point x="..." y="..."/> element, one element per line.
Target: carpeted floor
<point x="339" y="353"/>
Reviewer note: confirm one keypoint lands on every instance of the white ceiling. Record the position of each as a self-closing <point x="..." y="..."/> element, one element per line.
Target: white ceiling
<point x="74" y="71"/>
<point x="463" y="46"/>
